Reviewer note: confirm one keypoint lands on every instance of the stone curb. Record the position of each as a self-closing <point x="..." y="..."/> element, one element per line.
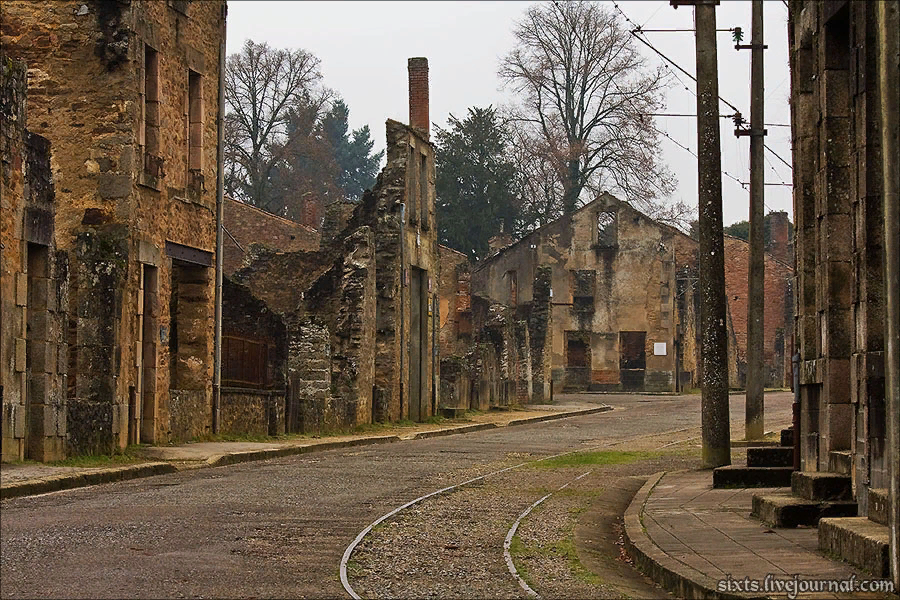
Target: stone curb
<point x="231" y="458"/>
<point x="676" y="577"/>
<point x="562" y="415"/>
<point x="453" y="430"/>
<point x="55" y="483"/>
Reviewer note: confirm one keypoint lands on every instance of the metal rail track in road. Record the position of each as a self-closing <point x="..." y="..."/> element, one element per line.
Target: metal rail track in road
<point x="452" y="488"/>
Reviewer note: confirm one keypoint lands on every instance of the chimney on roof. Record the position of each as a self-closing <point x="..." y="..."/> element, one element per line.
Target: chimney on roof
<point x="779" y="240"/>
<point x="418" y="94"/>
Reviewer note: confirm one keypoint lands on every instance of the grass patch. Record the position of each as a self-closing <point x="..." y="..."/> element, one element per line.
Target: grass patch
<point x="126" y="457"/>
<point x="600" y="458"/>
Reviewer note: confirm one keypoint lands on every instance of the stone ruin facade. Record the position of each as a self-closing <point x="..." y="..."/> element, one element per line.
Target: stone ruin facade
<point x="360" y="313"/>
<point x="109" y="241"/>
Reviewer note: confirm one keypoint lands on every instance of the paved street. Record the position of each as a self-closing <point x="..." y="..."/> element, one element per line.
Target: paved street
<point x="278" y="528"/>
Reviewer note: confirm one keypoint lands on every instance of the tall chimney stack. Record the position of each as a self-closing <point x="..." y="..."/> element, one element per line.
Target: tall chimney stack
<point x="418" y="94"/>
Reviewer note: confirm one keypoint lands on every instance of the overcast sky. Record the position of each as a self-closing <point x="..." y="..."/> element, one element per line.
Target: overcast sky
<point x="363" y="47"/>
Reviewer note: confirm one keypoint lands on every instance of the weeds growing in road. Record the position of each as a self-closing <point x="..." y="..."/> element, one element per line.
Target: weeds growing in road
<point x="599" y="458"/>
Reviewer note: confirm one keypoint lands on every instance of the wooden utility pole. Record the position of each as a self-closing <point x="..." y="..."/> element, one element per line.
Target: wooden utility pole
<point x="755" y="410"/>
<point x="715" y="425"/>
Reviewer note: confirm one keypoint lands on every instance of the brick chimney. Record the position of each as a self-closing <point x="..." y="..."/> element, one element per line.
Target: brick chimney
<point x="418" y="94"/>
<point x="779" y="242"/>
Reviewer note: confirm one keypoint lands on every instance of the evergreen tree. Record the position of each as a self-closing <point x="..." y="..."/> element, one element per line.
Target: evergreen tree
<point x="476" y="182"/>
<point x="352" y="151"/>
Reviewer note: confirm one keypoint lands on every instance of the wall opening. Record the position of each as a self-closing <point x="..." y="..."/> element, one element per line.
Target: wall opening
<point x="188" y="326"/>
<point x="578" y="360"/>
<point x="38" y="348"/>
<point x="418" y="326"/>
<point x="412" y="194"/>
<point x="149" y="132"/>
<point x="423" y="191"/>
<point x="513" y="287"/>
<point x="195" y="128"/>
<point x="632" y="359"/>
<point x="149" y="305"/>
<point x="605" y="233"/>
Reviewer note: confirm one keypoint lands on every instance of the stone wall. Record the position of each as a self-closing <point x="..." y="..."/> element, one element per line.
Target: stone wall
<point x="252" y="412"/>
<point x="839" y="284"/>
<point x="34" y="286"/>
<point x="133" y="167"/>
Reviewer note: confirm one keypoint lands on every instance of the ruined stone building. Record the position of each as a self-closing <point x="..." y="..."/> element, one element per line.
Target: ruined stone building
<point x="351" y="329"/>
<point x="109" y="252"/>
<point x="839" y="128"/>
<point x="600" y="303"/>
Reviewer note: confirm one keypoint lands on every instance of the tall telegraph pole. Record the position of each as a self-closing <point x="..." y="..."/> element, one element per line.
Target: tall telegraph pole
<point x="754" y="422"/>
<point x="716" y="434"/>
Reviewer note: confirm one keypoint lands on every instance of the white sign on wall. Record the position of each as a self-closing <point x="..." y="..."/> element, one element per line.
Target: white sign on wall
<point x="659" y="348"/>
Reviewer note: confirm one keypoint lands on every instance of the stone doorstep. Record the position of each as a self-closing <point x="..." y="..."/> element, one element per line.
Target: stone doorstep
<point x="821" y="485"/>
<point x="858" y="540"/>
<point x="840" y="461"/>
<point x="785" y="510"/>
<point x="878" y="505"/>
<point x="743" y="477"/>
<point x="777" y="456"/>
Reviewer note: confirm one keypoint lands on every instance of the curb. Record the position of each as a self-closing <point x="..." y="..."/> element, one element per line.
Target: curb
<point x="453" y="430"/>
<point x="562" y="415"/>
<point x="676" y="577"/>
<point x="220" y="460"/>
<point x="55" y="483"/>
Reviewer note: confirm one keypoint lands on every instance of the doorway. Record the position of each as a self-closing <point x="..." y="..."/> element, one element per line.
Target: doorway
<point x="417" y="343"/>
<point x="632" y="360"/>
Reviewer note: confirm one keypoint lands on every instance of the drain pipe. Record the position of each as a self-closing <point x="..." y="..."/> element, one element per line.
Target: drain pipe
<point x="220" y="213"/>
<point x="889" y="84"/>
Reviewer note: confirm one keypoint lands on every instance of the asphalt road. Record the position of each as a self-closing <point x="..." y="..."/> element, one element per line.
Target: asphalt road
<point x="278" y="528"/>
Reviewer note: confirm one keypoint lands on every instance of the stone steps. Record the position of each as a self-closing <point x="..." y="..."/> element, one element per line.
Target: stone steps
<point x="878" y="505"/>
<point x="740" y="476"/>
<point x="786" y="510"/>
<point x="787" y="437"/>
<point x="840" y="461"/>
<point x="821" y="485"/>
<point x="775" y="456"/>
<point x="858" y="540"/>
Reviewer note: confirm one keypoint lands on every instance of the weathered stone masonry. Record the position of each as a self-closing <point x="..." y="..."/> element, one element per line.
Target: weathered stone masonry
<point x="126" y="92"/>
<point x="33" y="286"/>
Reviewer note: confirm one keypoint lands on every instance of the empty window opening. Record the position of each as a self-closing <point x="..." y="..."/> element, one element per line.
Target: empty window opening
<point x="606" y="229"/>
<point x="195" y="123"/>
<point x="423" y="190"/>
<point x="149" y="132"/>
<point x="412" y="200"/>
<point x="513" y="287"/>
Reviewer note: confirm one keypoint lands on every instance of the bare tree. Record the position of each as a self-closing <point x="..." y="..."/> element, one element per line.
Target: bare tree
<point x="263" y="88"/>
<point x="586" y="93"/>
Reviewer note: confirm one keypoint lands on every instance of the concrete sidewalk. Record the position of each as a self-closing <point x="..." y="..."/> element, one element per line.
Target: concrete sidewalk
<point x="28" y="478"/>
<point x="700" y="542"/>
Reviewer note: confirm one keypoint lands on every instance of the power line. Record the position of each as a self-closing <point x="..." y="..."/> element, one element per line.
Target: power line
<point x="676" y="65"/>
